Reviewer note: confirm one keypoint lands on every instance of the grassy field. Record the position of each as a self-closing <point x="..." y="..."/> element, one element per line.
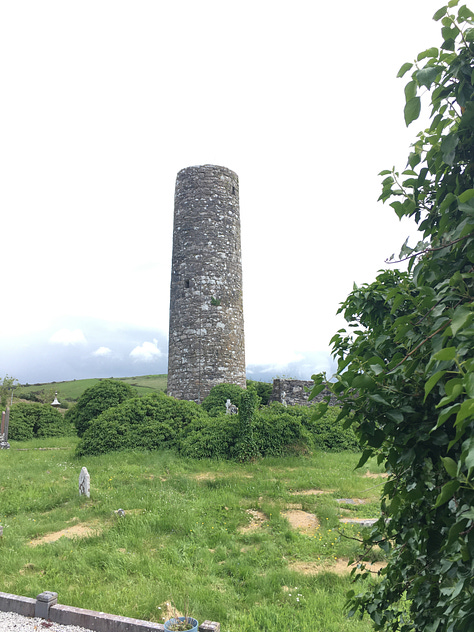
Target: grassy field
<point x="71" y="391"/>
<point x="227" y="541"/>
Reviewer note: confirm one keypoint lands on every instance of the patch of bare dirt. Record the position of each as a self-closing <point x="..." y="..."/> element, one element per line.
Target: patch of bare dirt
<point x="76" y="531"/>
<point x="339" y="566"/>
<point x="257" y="518"/>
<point x="375" y="475"/>
<point x="205" y="476"/>
<point x="301" y="520"/>
<point x="27" y="568"/>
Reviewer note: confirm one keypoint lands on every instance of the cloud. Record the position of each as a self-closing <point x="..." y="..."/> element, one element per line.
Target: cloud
<point x="147" y="352"/>
<point x="102" y="351"/>
<point x="68" y="337"/>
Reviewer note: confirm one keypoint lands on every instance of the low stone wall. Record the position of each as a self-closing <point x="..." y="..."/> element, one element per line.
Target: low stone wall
<point x="291" y="392"/>
<point x="45" y="606"/>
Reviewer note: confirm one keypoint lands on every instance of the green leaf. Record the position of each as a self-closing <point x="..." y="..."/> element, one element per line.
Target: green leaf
<point x="395" y="415"/>
<point x="449" y="353"/>
<point x="405" y="68"/>
<point x="316" y="390"/>
<point x="398" y="208"/>
<point x="448" y="200"/>
<point x="466" y="195"/>
<point x="466" y="410"/>
<point x="462" y="315"/>
<point x="468" y="381"/>
<point x="448" y="147"/>
<point x="440" y="13"/>
<point x="454" y="387"/>
<point x="446" y="414"/>
<point x="447" y="493"/>
<point x="468" y="452"/>
<point x="432" y="382"/>
<point x="376" y="368"/>
<point x="363" y="381"/>
<point x="455" y="530"/>
<point x="429" y="52"/>
<point x="465" y="13"/>
<point x="412" y="110"/>
<point x="366" y="454"/>
<point x="426" y="76"/>
<point x="410" y="90"/>
<point x="450" y="466"/>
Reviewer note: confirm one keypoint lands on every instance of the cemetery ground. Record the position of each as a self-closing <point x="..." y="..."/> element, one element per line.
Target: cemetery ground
<point x="256" y="545"/>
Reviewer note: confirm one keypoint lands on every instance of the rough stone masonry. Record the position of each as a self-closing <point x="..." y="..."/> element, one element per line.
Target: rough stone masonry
<point x="206" y="335"/>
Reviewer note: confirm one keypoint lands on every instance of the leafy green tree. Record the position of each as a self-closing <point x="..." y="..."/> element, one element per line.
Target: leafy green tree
<point x="6" y="387"/>
<point x="95" y="400"/>
<point x="406" y="362"/>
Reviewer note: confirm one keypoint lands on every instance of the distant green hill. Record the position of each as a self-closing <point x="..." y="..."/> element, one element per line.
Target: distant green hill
<point x="69" y="392"/>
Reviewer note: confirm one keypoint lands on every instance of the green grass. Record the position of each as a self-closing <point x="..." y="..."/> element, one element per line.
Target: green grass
<point x="181" y="538"/>
<point x="71" y="391"/>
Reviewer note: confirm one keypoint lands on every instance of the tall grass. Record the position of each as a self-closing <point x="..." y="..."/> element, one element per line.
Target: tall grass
<point x="182" y="536"/>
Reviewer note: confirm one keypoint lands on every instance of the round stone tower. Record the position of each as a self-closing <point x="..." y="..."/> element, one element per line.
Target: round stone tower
<point x="206" y="337"/>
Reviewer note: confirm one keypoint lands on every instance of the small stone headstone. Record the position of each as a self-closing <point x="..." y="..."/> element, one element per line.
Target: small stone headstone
<point x="84" y="483"/>
<point x="231" y="409"/>
<point x="1" y="530"/>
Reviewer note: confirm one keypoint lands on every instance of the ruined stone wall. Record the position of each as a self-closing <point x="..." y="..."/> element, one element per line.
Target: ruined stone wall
<point x="291" y="392"/>
<point x="206" y="335"/>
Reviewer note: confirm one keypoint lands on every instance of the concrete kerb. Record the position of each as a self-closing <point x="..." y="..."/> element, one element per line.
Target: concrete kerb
<point x="45" y="606"/>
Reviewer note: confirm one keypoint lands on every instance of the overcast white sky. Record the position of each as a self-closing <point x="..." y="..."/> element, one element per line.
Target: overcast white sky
<point x="103" y="102"/>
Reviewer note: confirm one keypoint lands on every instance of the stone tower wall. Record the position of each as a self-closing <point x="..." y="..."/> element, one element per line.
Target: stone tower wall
<point x="206" y="336"/>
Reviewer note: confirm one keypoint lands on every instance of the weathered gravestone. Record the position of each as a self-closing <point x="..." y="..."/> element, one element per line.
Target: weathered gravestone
<point x="231" y="409"/>
<point x="4" y="445"/>
<point x="84" y="483"/>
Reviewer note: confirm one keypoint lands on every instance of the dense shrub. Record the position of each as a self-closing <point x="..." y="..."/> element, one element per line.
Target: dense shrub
<point x="95" y="400"/>
<point x="211" y="437"/>
<point x="274" y="433"/>
<point x="280" y="432"/>
<point x="246" y="448"/>
<point x="214" y="404"/>
<point x="146" y="423"/>
<point x="330" y="435"/>
<point x="264" y="390"/>
<point x="28" y="421"/>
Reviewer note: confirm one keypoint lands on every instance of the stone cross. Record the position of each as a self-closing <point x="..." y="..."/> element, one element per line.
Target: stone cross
<point x="84" y="483"/>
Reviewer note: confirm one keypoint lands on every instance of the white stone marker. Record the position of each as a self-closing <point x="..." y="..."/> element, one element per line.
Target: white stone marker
<point x="84" y="483"/>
